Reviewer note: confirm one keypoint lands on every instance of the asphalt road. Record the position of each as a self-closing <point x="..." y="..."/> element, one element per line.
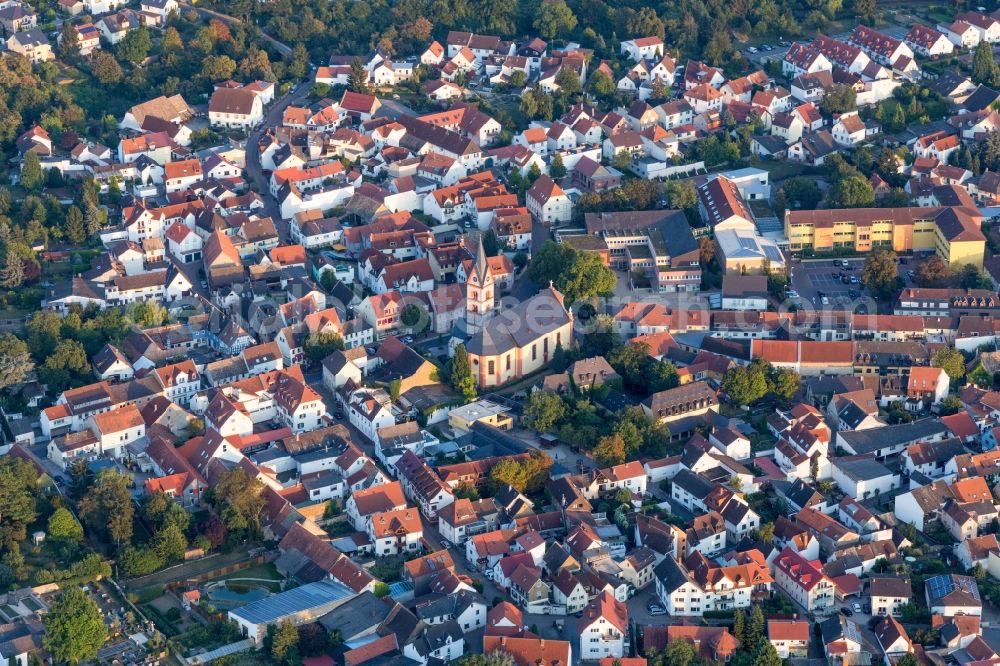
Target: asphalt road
<point x="254" y="169"/>
<point x="282" y="48"/>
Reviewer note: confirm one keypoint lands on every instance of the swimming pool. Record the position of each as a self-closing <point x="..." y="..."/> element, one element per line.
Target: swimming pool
<point x="232" y="595"/>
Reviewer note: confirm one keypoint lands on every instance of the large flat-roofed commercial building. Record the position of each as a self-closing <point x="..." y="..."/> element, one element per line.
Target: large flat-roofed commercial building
<point x="952" y="232"/>
<point x="300" y="605"/>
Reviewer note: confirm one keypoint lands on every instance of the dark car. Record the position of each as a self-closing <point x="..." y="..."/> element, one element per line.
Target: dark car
<point x="868" y="609"/>
<point x="903" y="260"/>
<point x="846" y="611"/>
<point x="836" y="275"/>
<point x="846" y="279"/>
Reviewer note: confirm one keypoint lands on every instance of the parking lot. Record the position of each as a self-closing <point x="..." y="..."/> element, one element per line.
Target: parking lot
<point x="816" y="280"/>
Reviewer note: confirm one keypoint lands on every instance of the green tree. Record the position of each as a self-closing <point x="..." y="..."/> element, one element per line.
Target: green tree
<point x="765" y="654"/>
<point x="578" y="275"/>
<point x="358" y="78"/>
<point x="950" y="405"/>
<point x="839" y="98"/>
<point x="15" y="360"/>
<point x="756" y="626"/>
<point x="984" y="67"/>
<point x="972" y="277"/>
<point x="880" y="275"/>
<point x="135" y="46"/>
<point x="62" y="525"/>
<point x="557" y="169"/>
<point x="240" y="499"/>
<point x="461" y="374"/>
<point x="412" y="315"/>
<point x="76" y="232"/>
<point x="381" y="590"/>
<point x="69" y="42"/>
<point x="170" y="544"/>
<point x="610" y="450"/>
<point x="467" y="491"/>
<point x="321" y="344"/>
<point x="31" y="172"/>
<point x="951" y="361"/>
<point x="217" y="68"/>
<point x="568" y="81"/>
<point x="12" y="271"/>
<point x="680" y="652"/>
<point x="285" y="644"/>
<point x="740" y="625"/>
<point x="160" y="510"/>
<point x="744" y="385"/>
<point x="554" y="19"/>
<point x="784" y="382"/>
<point x="18" y="505"/>
<point x="601" y="86"/>
<point x="496" y="658"/>
<point x="107" y="507"/>
<point x="527" y="476"/>
<point x="328" y="280"/>
<point x="766" y="532"/>
<point x="544" y="411"/>
<point x="851" y="192"/>
<point x="74" y="628"/>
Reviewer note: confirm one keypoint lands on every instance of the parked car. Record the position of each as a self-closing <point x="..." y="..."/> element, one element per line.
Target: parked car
<point x="845" y="279"/>
<point x="408" y="339"/>
<point x="868" y="609"/>
<point x="854" y="279"/>
<point x="752" y="50"/>
<point x="824" y="300"/>
<point x="857" y="607"/>
<point x="846" y="611"/>
<point x="791" y="293"/>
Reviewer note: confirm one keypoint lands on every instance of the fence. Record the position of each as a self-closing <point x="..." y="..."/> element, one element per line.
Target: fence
<point x="219" y="653"/>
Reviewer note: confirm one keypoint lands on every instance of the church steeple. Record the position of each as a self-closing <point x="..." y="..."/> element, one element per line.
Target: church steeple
<point x="479" y="293"/>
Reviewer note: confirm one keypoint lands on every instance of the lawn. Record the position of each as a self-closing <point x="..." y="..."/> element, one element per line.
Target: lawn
<point x="265" y="571"/>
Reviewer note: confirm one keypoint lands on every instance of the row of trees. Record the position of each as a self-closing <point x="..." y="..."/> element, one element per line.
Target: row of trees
<point x="746" y="385"/>
<point x="580" y="423"/>
<point x="694" y="28"/>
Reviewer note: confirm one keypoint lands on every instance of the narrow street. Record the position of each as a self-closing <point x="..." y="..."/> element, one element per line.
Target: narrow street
<point x="283" y="48"/>
<point x="253" y="167"/>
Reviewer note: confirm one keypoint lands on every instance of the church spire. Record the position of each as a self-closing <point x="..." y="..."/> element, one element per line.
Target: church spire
<point x="481" y="266"/>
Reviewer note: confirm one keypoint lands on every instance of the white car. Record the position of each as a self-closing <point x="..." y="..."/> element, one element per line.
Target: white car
<point x="791" y="293"/>
<point x="825" y="300"/>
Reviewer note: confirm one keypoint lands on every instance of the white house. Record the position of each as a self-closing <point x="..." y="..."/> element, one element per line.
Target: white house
<point x="642" y="48"/>
<point x="603" y="628"/>
<point x="548" y="203"/>
<point x="235" y="108"/>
